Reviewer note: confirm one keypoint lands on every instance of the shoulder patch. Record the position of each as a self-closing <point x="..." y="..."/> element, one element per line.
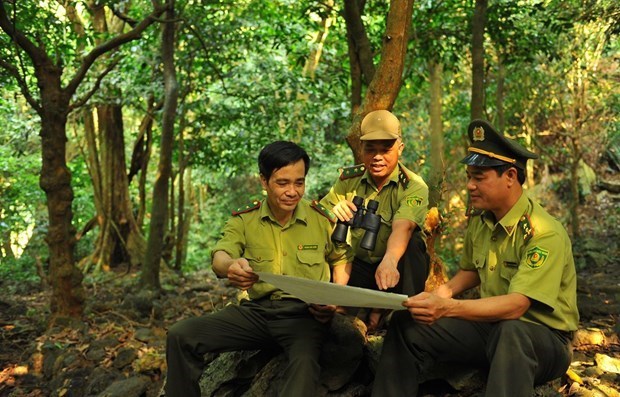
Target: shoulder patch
<point x="403" y="178"/>
<point x="321" y="209"/>
<point x="526" y="226"/>
<point x="536" y="257"/>
<point x="254" y="205"/>
<point x="352" y="171"/>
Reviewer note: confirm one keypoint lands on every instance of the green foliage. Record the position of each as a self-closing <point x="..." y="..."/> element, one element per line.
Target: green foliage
<point x="240" y="68"/>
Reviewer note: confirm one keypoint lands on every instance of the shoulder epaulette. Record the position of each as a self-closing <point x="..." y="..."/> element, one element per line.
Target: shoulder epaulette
<point x="321" y="209"/>
<point x="352" y="171"/>
<point x="526" y="226"/>
<point x="247" y="208"/>
<point x="403" y="178"/>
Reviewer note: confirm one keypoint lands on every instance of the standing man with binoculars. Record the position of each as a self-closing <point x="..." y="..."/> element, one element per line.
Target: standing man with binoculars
<point x="396" y="201"/>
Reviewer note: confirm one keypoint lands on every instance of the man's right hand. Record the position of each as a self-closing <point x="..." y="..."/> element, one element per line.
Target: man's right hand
<point x="241" y="275"/>
<point x="344" y="210"/>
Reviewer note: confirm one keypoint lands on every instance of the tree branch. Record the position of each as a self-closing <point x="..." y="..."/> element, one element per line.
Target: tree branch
<point x="34" y="52"/>
<point x="80" y="102"/>
<point x="204" y="47"/>
<point x="12" y="70"/>
<point x="114" y="42"/>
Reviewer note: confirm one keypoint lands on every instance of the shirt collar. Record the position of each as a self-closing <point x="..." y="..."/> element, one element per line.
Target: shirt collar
<point x="512" y="217"/>
<point x="393" y="177"/>
<point x="300" y="214"/>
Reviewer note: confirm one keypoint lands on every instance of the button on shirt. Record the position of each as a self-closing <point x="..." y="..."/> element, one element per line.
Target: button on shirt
<point x="529" y="252"/>
<point x="395" y="202"/>
<point x="301" y="248"/>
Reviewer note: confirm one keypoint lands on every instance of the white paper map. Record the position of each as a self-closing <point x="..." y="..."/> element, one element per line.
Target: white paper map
<point x="325" y="293"/>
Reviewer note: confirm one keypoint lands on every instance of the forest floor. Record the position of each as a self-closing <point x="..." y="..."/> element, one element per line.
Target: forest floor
<point x="119" y="347"/>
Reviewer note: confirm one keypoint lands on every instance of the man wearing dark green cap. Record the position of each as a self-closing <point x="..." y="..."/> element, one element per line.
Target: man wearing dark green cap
<point x="399" y="261"/>
<point x="521" y="328"/>
<point x="282" y="234"/>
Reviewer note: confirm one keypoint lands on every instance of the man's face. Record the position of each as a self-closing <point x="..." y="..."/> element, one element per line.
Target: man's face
<point x="487" y="190"/>
<point x="285" y="187"/>
<point x="381" y="158"/>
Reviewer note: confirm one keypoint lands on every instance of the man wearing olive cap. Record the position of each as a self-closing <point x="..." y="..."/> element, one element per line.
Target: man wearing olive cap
<point x="399" y="261"/>
<point x="521" y="328"/>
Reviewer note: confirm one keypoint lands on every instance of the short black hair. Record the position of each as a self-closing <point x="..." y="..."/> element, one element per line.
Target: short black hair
<point x="279" y="154"/>
<point x="500" y="169"/>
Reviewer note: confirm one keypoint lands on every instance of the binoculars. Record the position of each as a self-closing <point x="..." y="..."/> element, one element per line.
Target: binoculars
<point x="365" y="218"/>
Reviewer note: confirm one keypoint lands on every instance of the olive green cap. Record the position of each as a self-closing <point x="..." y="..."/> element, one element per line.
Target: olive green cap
<point x="489" y="148"/>
<point x="380" y="125"/>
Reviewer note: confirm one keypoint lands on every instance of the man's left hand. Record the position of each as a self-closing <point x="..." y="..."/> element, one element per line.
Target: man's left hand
<point x="322" y="313"/>
<point x="427" y="307"/>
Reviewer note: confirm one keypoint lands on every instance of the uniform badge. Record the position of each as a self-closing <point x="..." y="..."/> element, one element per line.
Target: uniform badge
<point x="478" y="134"/>
<point x="413" y="201"/>
<point x="312" y="247"/>
<point x="536" y="257"/>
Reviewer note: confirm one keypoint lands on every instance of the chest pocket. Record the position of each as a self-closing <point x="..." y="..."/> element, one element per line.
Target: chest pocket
<point x="309" y="264"/>
<point x="509" y="268"/>
<point x="260" y="258"/>
<point x="310" y="258"/>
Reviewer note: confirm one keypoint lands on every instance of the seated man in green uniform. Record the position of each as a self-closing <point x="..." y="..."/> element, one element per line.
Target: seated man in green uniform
<point x="399" y="261"/>
<point x="521" y="327"/>
<point x="282" y="234"/>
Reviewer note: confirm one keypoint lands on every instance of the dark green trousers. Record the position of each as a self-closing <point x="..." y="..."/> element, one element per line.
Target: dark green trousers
<point x="518" y="354"/>
<point x="413" y="268"/>
<point x="251" y="325"/>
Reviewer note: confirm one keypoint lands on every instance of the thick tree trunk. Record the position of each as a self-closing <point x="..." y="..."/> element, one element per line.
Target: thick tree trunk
<point x="385" y="85"/>
<point x="150" y="270"/>
<point x="436" y="130"/>
<point x="55" y="180"/>
<point x="477" y="60"/>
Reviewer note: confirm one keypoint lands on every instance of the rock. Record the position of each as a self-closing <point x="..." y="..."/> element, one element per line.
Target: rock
<point x="135" y="386"/>
<point x="100" y="378"/>
<point x="589" y="337"/>
<point x="343" y="351"/>
<point x="233" y="371"/>
<point x="124" y="357"/>
<point x="259" y="373"/>
<point x="607" y="364"/>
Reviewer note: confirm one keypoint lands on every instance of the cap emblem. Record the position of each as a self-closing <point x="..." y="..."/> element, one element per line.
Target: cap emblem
<point x="478" y="134"/>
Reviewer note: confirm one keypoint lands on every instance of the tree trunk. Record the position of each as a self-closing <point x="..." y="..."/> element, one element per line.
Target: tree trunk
<point x="150" y="271"/>
<point x="318" y="41"/>
<point x="55" y="180"/>
<point x="385" y="85"/>
<point x="500" y="118"/>
<point x="436" y="130"/>
<point x="141" y="157"/>
<point x="120" y="241"/>
<point x="360" y="52"/>
<point x="185" y="214"/>
<point x="477" y="60"/>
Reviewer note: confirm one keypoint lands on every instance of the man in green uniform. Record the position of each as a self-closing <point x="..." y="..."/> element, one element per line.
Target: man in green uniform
<point x="282" y="234"/>
<point x="521" y="327"/>
<point x="399" y="262"/>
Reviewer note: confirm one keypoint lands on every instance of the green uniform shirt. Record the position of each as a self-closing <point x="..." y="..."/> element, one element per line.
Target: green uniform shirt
<point x="403" y="196"/>
<point x="528" y="252"/>
<point x="301" y="248"/>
